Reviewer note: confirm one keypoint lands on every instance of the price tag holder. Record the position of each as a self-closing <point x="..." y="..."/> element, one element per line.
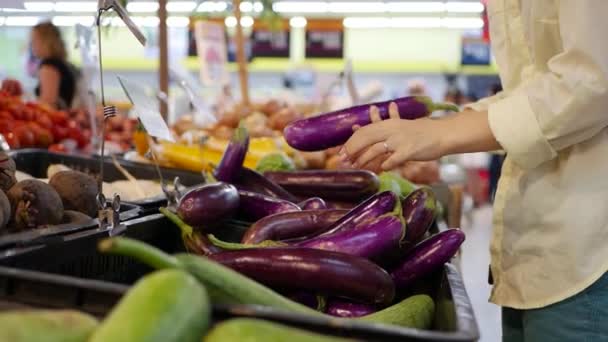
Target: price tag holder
<point x="122" y="13"/>
<point x="350" y="82"/>
<point x="12" y="4"/>
<point x="147" y="110"/>
<point x="194" y="91"/>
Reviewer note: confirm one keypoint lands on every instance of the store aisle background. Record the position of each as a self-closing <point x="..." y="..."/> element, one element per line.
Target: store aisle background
<point x="474" y="265"/>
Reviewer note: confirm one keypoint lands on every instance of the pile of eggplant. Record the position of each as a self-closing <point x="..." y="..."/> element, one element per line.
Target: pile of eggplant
<point x="332" y="240"/>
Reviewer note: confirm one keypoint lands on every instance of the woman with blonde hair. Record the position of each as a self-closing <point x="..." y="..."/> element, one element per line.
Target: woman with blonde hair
<point x="56" y="76"/>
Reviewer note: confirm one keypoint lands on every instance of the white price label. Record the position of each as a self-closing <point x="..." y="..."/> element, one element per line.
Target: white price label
<point x="194" y="92"/>
<point x="147" y="110"/>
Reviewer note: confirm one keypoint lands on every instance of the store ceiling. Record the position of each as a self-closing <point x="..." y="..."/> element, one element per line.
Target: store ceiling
<point x="360" y="13"/>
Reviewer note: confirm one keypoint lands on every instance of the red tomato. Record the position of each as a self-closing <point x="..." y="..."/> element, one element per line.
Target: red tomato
<point x="12" y="140"/>
<point x="58" y="148"/>
<point x="44" y="121"/>
<point x="43" y="136"/>
<point x="59" y="132"/>
<point x="58" y="117"/>
<point x="25" y="135"/>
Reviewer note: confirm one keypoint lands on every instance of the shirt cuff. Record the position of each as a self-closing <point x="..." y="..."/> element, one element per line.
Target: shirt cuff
<point x="516" y="129"/>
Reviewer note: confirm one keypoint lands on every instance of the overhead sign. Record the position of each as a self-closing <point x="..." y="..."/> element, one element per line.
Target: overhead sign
<point x="269" y="43"/>
<point x="324" y="43"/>
<point x="211" y="49"/>
<point x="146" y="109"/>
<point x="475" y="51"/>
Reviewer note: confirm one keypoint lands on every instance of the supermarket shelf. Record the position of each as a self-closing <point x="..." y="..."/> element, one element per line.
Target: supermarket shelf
<point x="277" y="65"/>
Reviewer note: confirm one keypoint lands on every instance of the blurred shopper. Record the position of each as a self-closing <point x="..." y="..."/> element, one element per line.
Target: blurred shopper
<point x="549" y="254"/>
<point x="56" y="76"/>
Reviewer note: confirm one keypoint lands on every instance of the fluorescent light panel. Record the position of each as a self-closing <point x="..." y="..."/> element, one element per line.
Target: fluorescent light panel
<point x="212" y="6"/>
<point x="181" y="6"/>
<point x="61" y="20"/>
<point x="415" y="7"/>
<point x="300" y="7"/>
<point x="39" y="6"/>
<point x="464" y="7"/>
<point x="178" y="21"/>
<point x="142" y="7"/>
<point x="2" y="21"/>
<point x="357" y="7"/>
<point x="297" y="22"/>
<point x="76" y="6"/>
<point x="414" y="22"/>
<point x="21" y="21"/>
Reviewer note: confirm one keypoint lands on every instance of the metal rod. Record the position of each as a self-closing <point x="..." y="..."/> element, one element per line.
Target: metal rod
<point x="103" y="122"/>
<point x="163" y="46"/>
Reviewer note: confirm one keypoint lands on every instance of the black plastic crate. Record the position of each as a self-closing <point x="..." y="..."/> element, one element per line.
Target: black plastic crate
<point x="77" y="256"/>
<point x="36" y="161"/>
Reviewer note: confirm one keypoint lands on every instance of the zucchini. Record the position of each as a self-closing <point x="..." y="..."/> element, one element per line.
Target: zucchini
<point x="46" y="326"/>
<point x="414" y="312"/>
<point x="164" y="306"/>
<point x="256" y="330"/>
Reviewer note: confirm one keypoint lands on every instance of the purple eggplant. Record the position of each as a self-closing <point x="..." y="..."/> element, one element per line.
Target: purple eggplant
<point x="314" y="270"/>
<point x="418" y="210"/>
<point x="347" y="185"/>
<point x="250" y="180"/>
<point x="232" y="160"/>
<point x="427" y="256"/>
<point x="313" y="203"/>
<point x="342" y="308"/>
<point x="309" y="299"/>
<point x="290" y="225"/>
<point x="369" y="209"/>
<point x="369" y="240"/>
<point x="254" y="206"/>
<point x="333" y="129"/>
<point x="208" y="204"/>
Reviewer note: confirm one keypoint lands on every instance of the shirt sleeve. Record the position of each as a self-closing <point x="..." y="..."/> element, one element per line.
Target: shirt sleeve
<point x="566" y="104"/>
<point x="484" y="103"/>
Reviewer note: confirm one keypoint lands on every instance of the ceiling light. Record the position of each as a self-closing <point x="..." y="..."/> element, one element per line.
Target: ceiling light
<point x="472" y="23"/>
<point x="230" y="21"/>
<point x="300" y="7"/>
<point x="415" y="7"/>
<point x="142" y="7"/>
<point x="297" y="22"/>
<point x="366" y="22"/>
<point x="178" y="21"/>
<point x="416" y="22"/>
<point x="21" y="21"/>
<point x="357" y="7"/>
<point x="76" y="6"/>
<point x="461" y="6"/>
<point x="2" y="21"/>
<point x="246" y="6"/>
<point x="181" y="6"/>
<point x="149" y="21"/>
<point x="258" y="7"/>
<point x="39" y="6"/>
<point x="73" y="20"/>
<point x="247" y="21"/>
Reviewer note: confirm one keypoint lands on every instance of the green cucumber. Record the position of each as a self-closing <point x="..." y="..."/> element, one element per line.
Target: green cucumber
<point x="46" y="326"/>
<point x="256" y="330"/>
<point x="164" y="306"/>
<point x="230" y="287"/>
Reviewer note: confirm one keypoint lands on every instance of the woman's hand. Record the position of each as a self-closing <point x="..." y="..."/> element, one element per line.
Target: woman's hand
<point x="389" y="143"/>
<point x="392" y="142"/>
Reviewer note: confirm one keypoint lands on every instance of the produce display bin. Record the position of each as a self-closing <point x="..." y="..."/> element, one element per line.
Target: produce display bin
<point x="36" y="161"/>
<point x="77" y="257"/>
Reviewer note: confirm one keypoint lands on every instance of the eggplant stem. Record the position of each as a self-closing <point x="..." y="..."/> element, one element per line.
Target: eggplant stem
<point x="141" y="251"/>
<point x="186" y="229"/>
<point x="238" y="246"/>
<point x="444" y="106"/>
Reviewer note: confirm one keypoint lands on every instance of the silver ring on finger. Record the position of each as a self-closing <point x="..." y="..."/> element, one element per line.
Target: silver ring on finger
<point x="386" y="148"/>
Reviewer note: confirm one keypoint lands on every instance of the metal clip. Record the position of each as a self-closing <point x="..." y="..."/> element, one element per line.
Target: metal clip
<point x="109" y="218"/>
